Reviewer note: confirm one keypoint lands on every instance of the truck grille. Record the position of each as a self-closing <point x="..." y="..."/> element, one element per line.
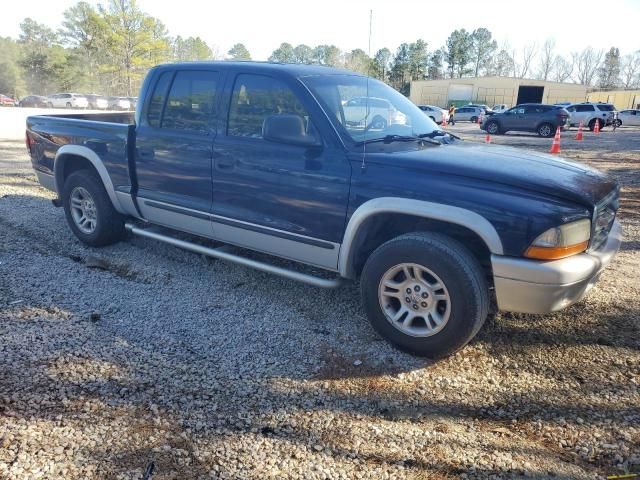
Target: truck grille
<point x="603" y="218"/>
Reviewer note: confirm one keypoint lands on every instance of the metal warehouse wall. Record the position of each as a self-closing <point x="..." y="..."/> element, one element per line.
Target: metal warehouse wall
<point x="490" y="90"/>
<point x="622" y="99"/>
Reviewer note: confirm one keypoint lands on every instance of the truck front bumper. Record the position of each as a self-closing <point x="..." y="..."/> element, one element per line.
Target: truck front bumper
<point x="531" y="286"/>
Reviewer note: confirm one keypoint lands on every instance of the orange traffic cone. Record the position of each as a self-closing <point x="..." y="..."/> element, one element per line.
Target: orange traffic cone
<point x="596" y="126"/>
<point x="555" y="146"/>
<point x="487" y="139"/>
<point x="579" y="134"/>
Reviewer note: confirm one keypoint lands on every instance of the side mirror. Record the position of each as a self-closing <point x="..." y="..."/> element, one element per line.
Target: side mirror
<point x="289" y="129"/>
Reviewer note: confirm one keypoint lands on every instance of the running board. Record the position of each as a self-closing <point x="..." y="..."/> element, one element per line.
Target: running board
<point x="223" y="254"/>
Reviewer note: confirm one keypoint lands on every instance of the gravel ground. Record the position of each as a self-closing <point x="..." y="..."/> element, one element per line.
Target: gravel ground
<point x="113" y="358"/>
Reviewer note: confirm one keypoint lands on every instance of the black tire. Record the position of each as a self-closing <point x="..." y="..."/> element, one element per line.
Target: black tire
<point x="592" y="124"/>
<point x="378" y="123"/>
<point x="617" y="122"/>
<point x="492" y="127"/>
<point x="109" y="228"/>
<point x="68" y="105"/>
<point x="546" y="130"/>
<point x="458" y="270"/>
<point x="473" y="119"/>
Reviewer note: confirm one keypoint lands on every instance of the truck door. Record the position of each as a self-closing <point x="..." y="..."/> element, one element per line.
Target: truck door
<point x="277" y="196"/>
<point x="174" y="143"/>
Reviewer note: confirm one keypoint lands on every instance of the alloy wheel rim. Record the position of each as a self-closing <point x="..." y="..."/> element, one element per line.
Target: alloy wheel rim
<point x="83" y="210"/>
<point x="414" y="300"/>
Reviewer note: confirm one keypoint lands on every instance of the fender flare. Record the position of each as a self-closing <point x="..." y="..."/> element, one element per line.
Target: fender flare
<point x="435" y="211"/>
<point x="93" y="158"/>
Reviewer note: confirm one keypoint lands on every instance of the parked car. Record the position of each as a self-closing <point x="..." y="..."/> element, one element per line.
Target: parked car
<point x="435" y="113"/>
<point x="371" y="112"/>
<point x="431" y="226"/>
<point x="7" y="101"/>
<point x="67" y="100"/>
<point x="528" y="117"/>
<point x="501" y="107"/>
<point x="97" y="102"/>
<point x="628" y="118"/>
<point x="591" y="112"/>
<point x="467" y="113"/>
<point x="36" y="101"/>
<point x="119" y="103"/>
<point x="485" y="108"/>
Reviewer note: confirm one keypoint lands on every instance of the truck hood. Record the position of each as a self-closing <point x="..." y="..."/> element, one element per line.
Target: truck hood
<point x="517" y="168"/>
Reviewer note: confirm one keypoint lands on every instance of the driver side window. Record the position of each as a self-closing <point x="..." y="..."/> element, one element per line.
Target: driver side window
<point x="256" y="97"/>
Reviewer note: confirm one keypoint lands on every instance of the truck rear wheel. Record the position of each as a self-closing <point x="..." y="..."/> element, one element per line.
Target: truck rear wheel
<point x="89" y="211"/>
<point x="425" y="293"/>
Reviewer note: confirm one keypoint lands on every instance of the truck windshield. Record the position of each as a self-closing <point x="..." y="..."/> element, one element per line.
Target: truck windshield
<point x="364" y="110"/>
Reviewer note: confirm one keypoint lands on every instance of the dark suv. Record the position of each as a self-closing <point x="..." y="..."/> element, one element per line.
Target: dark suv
<point x="528" y="117"/>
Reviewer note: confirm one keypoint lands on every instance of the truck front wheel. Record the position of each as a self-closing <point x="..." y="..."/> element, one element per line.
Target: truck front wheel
<point x="425" y="293"/>
<point x="89" y="211"/>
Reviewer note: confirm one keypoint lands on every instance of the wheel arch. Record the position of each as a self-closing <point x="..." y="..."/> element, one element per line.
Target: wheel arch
<point x="409" y="215"/>
<point x="70" y="158"/>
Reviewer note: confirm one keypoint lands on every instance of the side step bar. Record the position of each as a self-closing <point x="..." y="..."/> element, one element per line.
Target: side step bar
<point x="223" y="254"/>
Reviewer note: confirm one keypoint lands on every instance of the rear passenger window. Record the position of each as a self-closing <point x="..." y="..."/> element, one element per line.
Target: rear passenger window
<point x="156" y="103"/>
<point x="254" y="98"/>
<point x="191" y="101"/>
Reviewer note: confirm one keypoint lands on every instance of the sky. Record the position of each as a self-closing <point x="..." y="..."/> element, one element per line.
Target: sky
<point x="262" y="25"/>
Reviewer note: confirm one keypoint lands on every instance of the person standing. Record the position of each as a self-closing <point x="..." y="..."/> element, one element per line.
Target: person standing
<point x="452" y="112"/>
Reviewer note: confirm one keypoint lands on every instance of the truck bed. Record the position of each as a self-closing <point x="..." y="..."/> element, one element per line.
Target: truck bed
<point x="110" y="135"/>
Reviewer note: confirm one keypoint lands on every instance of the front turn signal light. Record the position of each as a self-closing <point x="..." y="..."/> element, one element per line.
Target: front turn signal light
<point x="560" y="242"/>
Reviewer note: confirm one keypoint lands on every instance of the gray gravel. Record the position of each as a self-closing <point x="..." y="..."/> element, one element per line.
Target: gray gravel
<point x="113" y="358"/>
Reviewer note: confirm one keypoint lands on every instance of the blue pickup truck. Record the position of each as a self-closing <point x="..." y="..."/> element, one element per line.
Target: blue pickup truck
<point x="290" y="161"/>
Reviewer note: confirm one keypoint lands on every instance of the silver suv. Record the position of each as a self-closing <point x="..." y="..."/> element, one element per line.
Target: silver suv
<point x="591" y="112"/>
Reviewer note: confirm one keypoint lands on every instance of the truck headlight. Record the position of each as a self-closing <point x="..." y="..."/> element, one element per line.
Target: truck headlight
<point x="562" y="241"/>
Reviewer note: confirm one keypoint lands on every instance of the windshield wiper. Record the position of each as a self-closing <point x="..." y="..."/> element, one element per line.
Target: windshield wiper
<point x="397" y="138"/>
<point x="438" y="133"/>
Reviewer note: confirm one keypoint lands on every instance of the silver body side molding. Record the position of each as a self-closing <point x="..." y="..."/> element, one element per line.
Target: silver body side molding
<point x="435" y="211"/>
<point x="91" y="156"/>
<point x="223" y="254"/>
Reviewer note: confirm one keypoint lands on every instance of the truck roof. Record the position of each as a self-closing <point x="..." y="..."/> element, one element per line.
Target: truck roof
<point x="295" y="69"/>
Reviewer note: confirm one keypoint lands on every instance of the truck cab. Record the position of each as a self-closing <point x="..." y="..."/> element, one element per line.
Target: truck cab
<point x="266" y="157"/>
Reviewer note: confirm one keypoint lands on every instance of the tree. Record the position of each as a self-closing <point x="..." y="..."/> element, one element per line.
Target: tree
<point x="521" y="68"/>
<point x="381" y="61"/>
<point x="283" y="54"/>
<point x="458" y="53"/>
<point x="37" y="41"/>
<point x="86" y="31"/>
<point x="239" y="52"/>
<point x="586" y="65"/>
<point x="435" y="70"/>
<point x="358" y="61"/>
<point x="547" y="59"/>
<point x="482" y="48"/>
<point x="502" y="64"/>
<point x="418" y="60"/>
<point x="11" y="81"/>
<point x="631" y="70"/>
<point x="303" y="54"/>
<point x="562" y="69"/>
<point x="609" y="71"/>
<point x="326" y="55"/>
<point x="134" y="42"/>
<point x="400" y="67"/>
<point x="190" y="48"/>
